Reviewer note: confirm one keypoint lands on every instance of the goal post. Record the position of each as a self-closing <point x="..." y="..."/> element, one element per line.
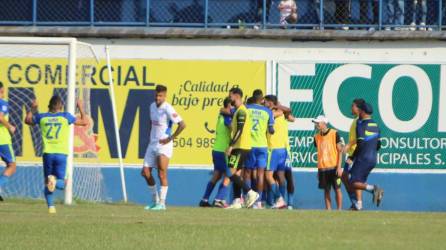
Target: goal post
<point x="69" y="56"/>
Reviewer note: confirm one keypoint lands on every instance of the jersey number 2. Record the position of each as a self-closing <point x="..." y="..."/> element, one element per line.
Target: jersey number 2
<point x="255" y="126"/>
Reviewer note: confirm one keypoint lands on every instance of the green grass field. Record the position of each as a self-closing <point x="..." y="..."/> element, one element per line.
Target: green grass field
<point x="26" y="225"/>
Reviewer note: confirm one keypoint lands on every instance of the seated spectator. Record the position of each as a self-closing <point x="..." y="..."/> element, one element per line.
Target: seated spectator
<point x="288" y="12"/>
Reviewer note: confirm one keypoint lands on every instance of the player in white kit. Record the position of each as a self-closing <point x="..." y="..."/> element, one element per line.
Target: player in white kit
<point x="160" y="148"/>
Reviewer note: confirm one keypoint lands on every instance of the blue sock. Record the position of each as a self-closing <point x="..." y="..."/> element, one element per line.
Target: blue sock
<point x="3" y="180"/>
<point x="60" y="184"/>
<point x="222" y="192"/>
<point x="264" y="196"/>
<point x="270" y="197"/>
<point x="49" y="197"/>
<point x="353" y="198"/>
<point x="247" y="183"/>
<point x="290" y="199"/>
<point x="260" y="196"/>
<point x="275" y="191"/>
<point x="208" y="191"/>
<point x="282" y="190"/>
<point x="254" y="184"/>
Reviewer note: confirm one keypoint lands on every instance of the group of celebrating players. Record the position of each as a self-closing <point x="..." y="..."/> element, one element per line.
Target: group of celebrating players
<point x="251" y="147"/>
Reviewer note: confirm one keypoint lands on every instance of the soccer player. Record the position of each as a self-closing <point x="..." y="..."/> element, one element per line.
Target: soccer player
<point x="262" y="122"/>
<point x="6" y="130"/>
<point x="222" y="139"/>
<point x="160" y="148"/>
<point x="365" y="156"/>
<point x="55" y="128"/>
<point x="350" y="148"/>
<point x="329" y="159"/>
<point x="277" y="154"/>
<point x="239" y="148"/>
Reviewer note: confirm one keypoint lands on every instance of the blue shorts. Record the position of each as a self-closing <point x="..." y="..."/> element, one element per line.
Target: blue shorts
<point x="277" y="159"/>
<point x="257" y="158"/>
<point x="55" y="164"/>
<point x="220" y="161"/>
<point x="7" y="154"/>
<point x="347" y="167"/>
<point x="360" y="171"/>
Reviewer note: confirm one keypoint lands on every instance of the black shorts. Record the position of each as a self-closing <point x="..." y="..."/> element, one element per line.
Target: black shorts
<point x="328" y="179"/>
<point x="237" y="158"/>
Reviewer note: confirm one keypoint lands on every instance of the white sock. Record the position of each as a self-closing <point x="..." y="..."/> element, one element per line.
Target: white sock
<point x="163" y="194"/>
<point x="369" y="187"/>
<point x="359" y="205"/>
<point x="155" y="197"/>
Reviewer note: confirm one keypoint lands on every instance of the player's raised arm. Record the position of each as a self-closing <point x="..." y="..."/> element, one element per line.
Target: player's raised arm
<point x="29" y="119"/>
<point x="81" y="121"/>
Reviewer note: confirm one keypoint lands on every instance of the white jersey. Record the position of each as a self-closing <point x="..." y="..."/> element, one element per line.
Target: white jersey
<point x="162" y="118"/>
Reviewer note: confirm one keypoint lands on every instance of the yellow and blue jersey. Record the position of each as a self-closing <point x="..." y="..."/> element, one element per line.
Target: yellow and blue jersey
<point x="368" y="141"/>
<point x="352" y="137"/>
<point x="55" y="131"/>
<point x="280" y="137"/>
<point x="261" y="119"/>
<point x="222" y="133"/>
<point x="241" y="116"/>
<point x="5" y="136"/>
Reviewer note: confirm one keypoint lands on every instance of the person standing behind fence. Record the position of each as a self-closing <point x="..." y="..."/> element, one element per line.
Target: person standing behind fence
<point x="419" y="5"/>
<point x="288" y="12"/>
<point x="342" y="12"/>
<point x="395" y="9"/>
<point x="364" y="8"/>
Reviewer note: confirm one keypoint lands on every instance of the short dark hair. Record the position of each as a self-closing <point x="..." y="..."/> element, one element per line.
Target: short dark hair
<point x="54" y="101"/>
<point x="237" y="91"/>
<point x="257" y="95"/>
<point x="359" y="102"/>
<point x="1" y="85"/>
<point x="160" y="88"/>
<point x="271" y="98"/>
<point x="226" y="102"/>
<point x="250" y="100"/>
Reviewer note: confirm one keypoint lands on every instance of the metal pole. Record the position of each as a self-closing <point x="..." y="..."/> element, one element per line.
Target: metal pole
<point x="440" y="15"/>
<point x="115" y="121"/>
<point x="147" y="13"/>
<point x="34" y="12"/>
<point x="206" y="10"/>
<point x="71" y="108"/>
<point x="321" y="15"/>
<point x="91" y="12"/>
<point x="380" y="18"/>
<point x="264" y="14"/>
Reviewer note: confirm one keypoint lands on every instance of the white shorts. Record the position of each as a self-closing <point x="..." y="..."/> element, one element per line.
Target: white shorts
<point x="155" y="150"/>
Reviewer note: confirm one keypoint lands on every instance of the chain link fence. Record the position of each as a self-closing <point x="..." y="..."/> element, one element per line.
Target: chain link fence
<point x="258" y="14"/>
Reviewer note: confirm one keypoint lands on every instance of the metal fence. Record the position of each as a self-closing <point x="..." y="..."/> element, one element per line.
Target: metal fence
<point x="261" y="14"/>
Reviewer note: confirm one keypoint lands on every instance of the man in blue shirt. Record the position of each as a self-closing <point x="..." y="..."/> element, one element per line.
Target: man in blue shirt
<point x="365" y="156"/>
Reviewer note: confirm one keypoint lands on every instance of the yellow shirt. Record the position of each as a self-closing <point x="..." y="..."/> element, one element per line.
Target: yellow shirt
<point x="280" y="137"/>
<point x="242" y="115"/>
<point x="352" y="137"/>
<point x="327" y="152"/>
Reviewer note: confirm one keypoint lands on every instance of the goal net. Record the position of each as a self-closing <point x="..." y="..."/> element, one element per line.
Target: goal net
<point x="38" y="68"/>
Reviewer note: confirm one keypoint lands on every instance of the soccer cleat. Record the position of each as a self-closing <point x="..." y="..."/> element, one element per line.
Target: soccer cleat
<point x="236" y="204"/>
<point x="378" y="194"/>
<point x="280" y="204"/>
<point x="220" y="204"/>
<point x="1" y="198"/>
<point x="51" y="183"/>
<point x="149" y="207"/>
<point x="204" y="204"/>
<point x="159" y="207"/>
<point x="258" y="205"/>
<point x="51" y="210"/>
<point x="290" y="207"/>
<point x="251" y="198"/>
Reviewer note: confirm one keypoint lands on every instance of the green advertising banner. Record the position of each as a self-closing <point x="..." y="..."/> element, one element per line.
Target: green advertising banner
<point x="409" y="103"/>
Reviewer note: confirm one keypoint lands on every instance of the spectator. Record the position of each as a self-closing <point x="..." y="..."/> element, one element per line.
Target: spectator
<point x="395" y="10"/>
<point x="419" y="5"/>
<point x="342" y="12"/>
<point x="260" y="12"/>
<point x="288" y="12"/>
<point x="364" y="11"/>
<point x="328" y="10"/>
